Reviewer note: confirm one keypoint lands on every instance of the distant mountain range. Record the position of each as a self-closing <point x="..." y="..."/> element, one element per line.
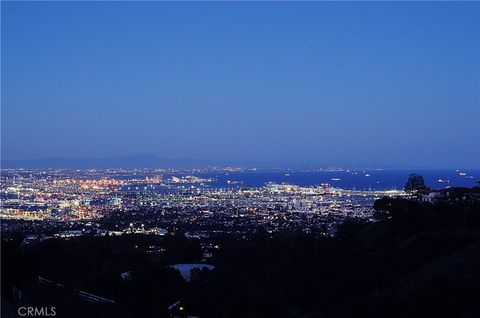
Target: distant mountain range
<point x="153" y="161"/>
<point x="135" y="161"/>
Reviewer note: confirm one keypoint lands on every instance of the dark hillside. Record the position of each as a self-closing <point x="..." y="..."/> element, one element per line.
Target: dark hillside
<point x="420" y="261"/>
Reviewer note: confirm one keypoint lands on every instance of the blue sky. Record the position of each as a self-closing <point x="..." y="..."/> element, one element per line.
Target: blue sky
<point x="331" y="82"/>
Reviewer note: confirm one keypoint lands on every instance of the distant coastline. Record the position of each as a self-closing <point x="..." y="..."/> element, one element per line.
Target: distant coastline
<point x="154" y="161"/>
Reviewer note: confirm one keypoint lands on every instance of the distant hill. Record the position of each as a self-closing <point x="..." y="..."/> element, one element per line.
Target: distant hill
<point x="145" y="161"/>
<point x="135" y="161"/>
<point x="153" y="161"/>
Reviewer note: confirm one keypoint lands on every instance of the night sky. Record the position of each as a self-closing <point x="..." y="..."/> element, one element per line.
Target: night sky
<point x="333" y="82"/>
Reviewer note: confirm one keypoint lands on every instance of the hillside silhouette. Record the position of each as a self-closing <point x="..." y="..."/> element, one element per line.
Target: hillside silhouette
<point x="419" y="260"/>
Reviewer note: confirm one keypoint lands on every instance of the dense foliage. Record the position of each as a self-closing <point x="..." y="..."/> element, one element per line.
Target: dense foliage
<point x="415" y="183"/>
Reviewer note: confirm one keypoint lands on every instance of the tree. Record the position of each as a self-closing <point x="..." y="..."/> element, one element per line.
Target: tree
<point x="415" y="183"/>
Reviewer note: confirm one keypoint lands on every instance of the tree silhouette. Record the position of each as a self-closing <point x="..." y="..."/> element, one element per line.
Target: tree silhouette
<point x="415" y="183"/>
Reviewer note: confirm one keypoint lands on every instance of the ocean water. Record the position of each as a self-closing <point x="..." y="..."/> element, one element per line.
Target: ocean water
<point x="361" y="179"/>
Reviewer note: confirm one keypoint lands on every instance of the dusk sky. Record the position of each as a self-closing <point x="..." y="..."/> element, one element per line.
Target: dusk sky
<point x="333" y="82"/>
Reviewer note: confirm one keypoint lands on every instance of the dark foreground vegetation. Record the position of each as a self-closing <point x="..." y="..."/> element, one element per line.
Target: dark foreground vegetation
<point x="419" y="261"/>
